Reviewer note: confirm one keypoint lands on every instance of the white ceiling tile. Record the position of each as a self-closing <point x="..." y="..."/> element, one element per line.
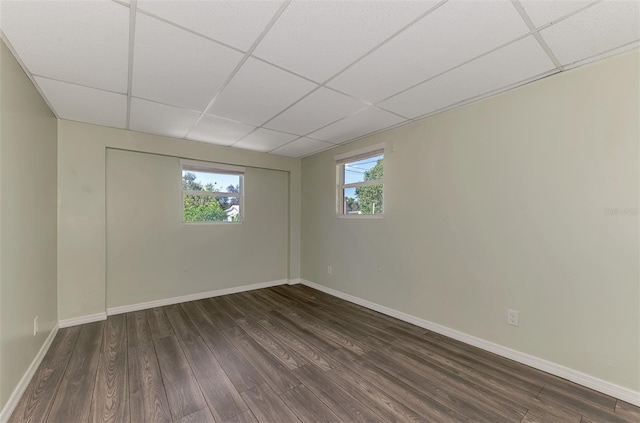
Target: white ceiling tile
<point x="616" y="51"/>
<point x="258" y="92"/>
<point x="236" y="23"/>
<point x="517" y="62"/>
<point x="219" y="131"/>
<point x="176" y="67"/>
<point x="86" y="43"/>
<point x="452" y="34"/>
<point x="542" y="12"/>
<point x="264" y="140"/>
<point x="302" y="147"/>
<point x="155" y="118"/>
<point x="369" y="120"/>
<point x="316" y="39"/>
<point x="82" y="104"/>
<point x="318" y="109"/>
<point x="602" y="27"/>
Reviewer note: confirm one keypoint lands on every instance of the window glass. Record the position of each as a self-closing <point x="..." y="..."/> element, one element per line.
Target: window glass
<point x="361" y="188"/>
<point x="211" y="196"/>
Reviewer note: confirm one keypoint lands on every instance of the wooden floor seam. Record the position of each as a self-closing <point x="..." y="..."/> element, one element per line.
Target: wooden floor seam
<point x="290" y="354"/>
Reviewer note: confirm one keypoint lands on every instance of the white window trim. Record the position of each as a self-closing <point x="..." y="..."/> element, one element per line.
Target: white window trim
<point x="196" y="166"/>
<point x="210" y="167"/>
<point x="341" y="160"/>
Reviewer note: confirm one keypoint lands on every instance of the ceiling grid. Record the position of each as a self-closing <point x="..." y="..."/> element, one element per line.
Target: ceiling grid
<point x="297" y="77"/>
<point x="132" y="32"/>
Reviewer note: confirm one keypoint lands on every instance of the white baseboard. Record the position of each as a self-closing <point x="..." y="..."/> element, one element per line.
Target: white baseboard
<point x="192" y="297"/>
<point x="616" y="391"/>
<point x="74" y="321"/>
<point x="17" y="393"/>
<point x="294" y="281"/>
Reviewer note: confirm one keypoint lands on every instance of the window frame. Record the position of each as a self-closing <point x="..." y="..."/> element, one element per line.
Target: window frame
<point x="215" y="168"/>
<point x="341" y="160"/>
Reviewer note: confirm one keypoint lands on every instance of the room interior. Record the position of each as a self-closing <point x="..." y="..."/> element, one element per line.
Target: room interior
<point x="510" y="133"/>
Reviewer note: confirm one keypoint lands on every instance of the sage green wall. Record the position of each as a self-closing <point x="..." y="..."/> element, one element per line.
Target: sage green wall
<point x="152" y="255"/>
<point x="27" y="222"/>
<point x="503" y="204"/>
<point x="82" y="204"/>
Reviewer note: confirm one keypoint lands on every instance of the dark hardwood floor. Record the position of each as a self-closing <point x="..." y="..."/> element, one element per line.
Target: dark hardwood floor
<point x="289" y="354"/>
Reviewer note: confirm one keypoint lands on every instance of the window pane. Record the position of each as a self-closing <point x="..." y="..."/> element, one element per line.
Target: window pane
<point x="364" y="170"/>
<point x="203" y="209"/>
<point x="205" y="181"/>
<point x="210" y="208"/>
<point x="363" y="200"/>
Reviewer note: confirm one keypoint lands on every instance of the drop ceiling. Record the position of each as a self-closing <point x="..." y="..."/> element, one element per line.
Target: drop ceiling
<point x="297" y="77"/>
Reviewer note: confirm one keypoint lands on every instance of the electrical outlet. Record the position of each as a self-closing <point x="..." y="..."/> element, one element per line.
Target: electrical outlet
<point x="329" y="270"/>
<point x="35" y="326"/>
<point x="512" y="317"/>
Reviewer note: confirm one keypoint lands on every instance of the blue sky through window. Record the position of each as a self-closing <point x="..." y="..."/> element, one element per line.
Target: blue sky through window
<point x="220" y="180"/>
<point x="354" y="171"/>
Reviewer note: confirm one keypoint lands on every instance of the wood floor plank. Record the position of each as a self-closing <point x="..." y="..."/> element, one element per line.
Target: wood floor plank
<point x="414" y="399"/>
<point x="628" y="410"/>
<point x="110" y="403"/>
<point x="138" y="330"/>
<point x="308" y="407"/>
<point x="248" y="305"/>
<point x="266" y="406"/>
<point x="510" y="370"/>
<point x="220" y="394"/>
<point x="246" y="417"/>
<point x="287" y="356"/>
<point x="147" y="397"/>
<point x="278" y="377"/>
<point x="237" y="307"/>
<point x="73" y="400"/>
<point x="521" y="371"/>
<point x="465" y="398"/>
<point x="360" y="313"/>
<point x="36" y="402"/>
<point x="341" y="402"/>
<point x="275" y="301"/>
<point x="295" y="294"/>
<point x="242" y="374"/>
<point x="294" y="343"/>
<point x="180" y="321"/>
<point x="498" y="384"/>
<point x="448" y="359"/>
<point x="301" y="332"/>
<point x="482" y="389"/>
<point x="327" y="332"/>
<point x="550" y="416"/>
<point x="382" y="404"/>
<point x="183" y="392"/>
<point x="159" y="323"/>
<point x="201" y="416"/>
<point x="581" y="405"/>
<point x="290" y="353"/>
<point x="357" y="329"/>
<point x="216" y="310"/>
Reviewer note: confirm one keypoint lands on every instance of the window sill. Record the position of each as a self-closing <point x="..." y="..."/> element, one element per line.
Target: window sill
<point x="360" y="216"/>
<point x="210" y="223"/>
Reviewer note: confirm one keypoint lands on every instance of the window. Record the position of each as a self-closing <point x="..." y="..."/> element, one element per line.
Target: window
<point x="360" y="182"/>
<point x="211" y="192"/>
